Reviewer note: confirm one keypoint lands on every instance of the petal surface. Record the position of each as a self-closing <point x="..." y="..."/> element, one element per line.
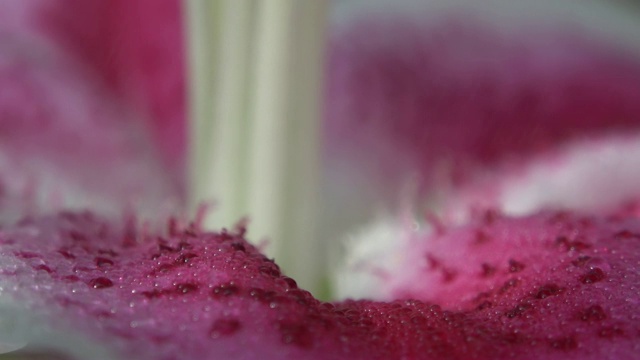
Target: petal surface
<point x="551" y="286"/>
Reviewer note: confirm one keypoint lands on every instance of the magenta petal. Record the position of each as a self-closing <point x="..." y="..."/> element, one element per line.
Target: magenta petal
<point x="443" y="96"/>
<point x="185" y="295"/>
<point x="65" y="142"/>
<point x="136" y="48"/>
<point x="550" y="286"/>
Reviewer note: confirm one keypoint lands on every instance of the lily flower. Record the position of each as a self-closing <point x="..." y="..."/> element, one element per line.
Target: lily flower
<point x="510" y="133"/>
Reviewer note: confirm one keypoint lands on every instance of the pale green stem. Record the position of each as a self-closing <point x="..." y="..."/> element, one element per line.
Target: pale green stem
<point x="255" y="122"/>
<point x="202" y="37"/>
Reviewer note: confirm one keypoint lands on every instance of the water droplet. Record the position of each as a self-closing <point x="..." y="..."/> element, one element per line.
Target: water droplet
<point x="564" y="343"/>
<point x="518" y="310"/>
<point x="224" y="327"/>
<point x="108" y="252"/>
<point x="490" y="216"/>
<point x="269" y="270"/>
<point x="27" y="255"/>
<point x="300" y="296"/>
<point x="290" y="282"/>
<point x="186" y="288"/>
<point x="44" y="268"/>
<point x="100" y="283"/>
<point x="515" y="266"/>
<point x="481" y="237"/>
<point x="592" y="313"/>
<point x="296" y="334"/>
<point x="262" y="295"/>
<point x="511" y="283"/>
<point x="102" y="261"/>
<point x="610" y="331"/>
<point x="581" y="260"/>
<point x="625" y="235"/>
<point x="488" y="270"/>
<point x="78" y="237"/>
<point x="592" y="276"/>
<point x="572" y="245"/>
<point x="484" y="305"/>
<point x="238" y="246"/>
<point x="513" y="337"/>
<point x="225" y="290"/>
<point x="66" y="254"/>
<point x="166" y="248"/>
<point x="547" y="290"/>
<point x="185" y="258"/>
<point x="448" y="275"/>
<point x="597" y="262"/>
<point x="152" y="294"/>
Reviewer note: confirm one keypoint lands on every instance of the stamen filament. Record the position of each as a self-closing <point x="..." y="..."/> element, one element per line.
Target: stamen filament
<point x="255" y="121"/>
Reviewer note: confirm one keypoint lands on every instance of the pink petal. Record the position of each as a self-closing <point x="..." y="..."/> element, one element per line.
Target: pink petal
<point x="552" y="286"/>
<point x="444" y="96"/>
<point x="66" y="141"/>
<point x="136" y="47"/>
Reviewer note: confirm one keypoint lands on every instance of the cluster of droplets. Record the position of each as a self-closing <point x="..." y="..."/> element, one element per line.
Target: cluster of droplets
<point x="192" y="294"/>
<point x="549" y="282"/>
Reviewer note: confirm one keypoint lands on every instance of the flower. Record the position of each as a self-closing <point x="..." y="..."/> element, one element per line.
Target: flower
<point x="75" y="119"/>
<point x="475" y="281"/>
